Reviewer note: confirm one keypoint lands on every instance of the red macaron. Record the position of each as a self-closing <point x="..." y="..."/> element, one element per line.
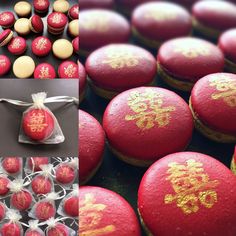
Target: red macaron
<point x="149" y="117"/>
<point x="75" y="43"/>
<point x="41" y="6"/>
<point x="56" y="22"/>
<point x="73" y="12"/>
<point x="89" y="4"/>
<point x="5" y="37"/>
<point x="7" y="19"/>
<point x="68" y="70"/>
<point x="17" y="46"/>
<point x="41" y="46"/>
<point x="5" y="65"/>
<point x="82" y="81"/>
<point x="44" y="71"/>
<point x="187" y="193"/>
<point x="91" y="145"/>
<point x="104" y="212"/>
<point x="36" y="24"/>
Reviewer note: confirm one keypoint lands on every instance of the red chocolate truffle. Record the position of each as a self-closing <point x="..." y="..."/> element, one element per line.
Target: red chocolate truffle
<point x="41" y="46"/>
<point x="196" y="189"/>
<point x="213" y="104"/>
<point x="103" y="212"/>
<point x="41" y="185"/>
<point x="7" y="19"/>
<point x="33" y="233"/>
<point x="147" y="117"/>
<point x="182" y="61"/>
<point x="44" y="71"/>
<point x="36" y="24"/>
<point x="4" y="181"/>
<point x="56" y="22"/>
<point x="101" y="27"/>
<point x="2" y="211"/>
<point x="233" y="162"/>
<point x="12" y="165"/>
<point x="89" y="4"/>
<point x="210" y="18"/>
<point x="11" y="229"/>
<point x="227" y="43"/>
<point x="74" y="12"/>
<point x="38" y="124"/>
<point x="156" y="22"/>
<point x="5" y="65"/>
<point x="59" y="229"/>
<point x="91" y="146"/>
<point x="82" y="81"/>
<point x="41" y="6"/>
<point x="75" y="43"/>
<point x="129" y="67"/>
<point x="5" y="37"/>
<point x="65" y="174"/>
<point x="17" y="46"/>
<point x="35" y="162"/>
<point x="21" y="200"/>
<point x="68" y="70"/>
<point x="44" y="210"/>
<point x="71" y="206"/>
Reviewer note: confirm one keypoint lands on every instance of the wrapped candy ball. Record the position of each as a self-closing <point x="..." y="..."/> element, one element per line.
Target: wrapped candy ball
<point x="33" y="233"/>
<point x="71" y="206"/>
<point x="21" y="200"/>
<point x="44" y="210"/>
<point x="41" y="184"/>
<point x="35" y="162"/>
<point x="11" y="229"/>
<point x="4" y="181"/>
<point x="2" y="211"/>
<point x="58" y="229"/>
<point x="12" y="165"/>
<point x="65" y="174"/>
<point x="34" y="229"/>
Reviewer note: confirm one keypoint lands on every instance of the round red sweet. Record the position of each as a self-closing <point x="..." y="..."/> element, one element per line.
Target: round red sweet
<point x="57" y="20"/>
<point x="41" y="6"/>
<point x="7" y="19"/>
<point x="59" y="229"/>
<point x="5" y="65"/>
<point x="82" y="78"/>
<point x="41" y="46"/>
<point x="227" y="43"/>
<point x="219" y="15"/>
<point x="190" y="58"/>
<point x="2" y="211"/>
<point x="212" y="105"/>
<point x="21" y="200"/>
<point x="71" y="206"/>
<point x="65" y="174"/>
<point x="41" y="185"/>
<point x="11" y="229"/>
<point x="17" y="45"/>
<point x="38" y="124"/>
<point x="101" y="27"/>
<point x="75" y="43"/>
<point x="129" y="66"/>
<point x="74" y="12"/>
<point x="35" y="162"/>
<point x="44" y="210"/>
<point x="37" y="24"/>
<point x="91" y="145"/>
<point x="4" y="181"/>
<point x="198" y="191"/>
<point x="33" y="233"/>
<point x="166" y="21"/>
<point x="148" y="117"/>
<point x="68" y="70"/>
<point x="89" y="4"/>
<point x="44" y="71"/>
<point x="115" y="214"/>
<point x="12" y="165"/>
<point x="4" y="34"/>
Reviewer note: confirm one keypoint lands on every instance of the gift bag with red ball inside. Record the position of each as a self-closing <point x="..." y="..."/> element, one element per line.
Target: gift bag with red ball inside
<point x="39" y="125"/>
<point x="2" y="211"/>
<point x="33" y="164"/>
<point x="34" y="229"/>
<point x="11" y="166"/>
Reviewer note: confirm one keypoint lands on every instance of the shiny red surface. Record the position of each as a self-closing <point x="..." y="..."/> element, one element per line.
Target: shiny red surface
<point x="41" y="185"/>
<point x="73" y="13"/>
<point x="21" y="42"/>
<point x="9" y="21"/>
<point x="12" y="165"/>
<point x="5" y="66"/>
<point x="35" y="163"/>
<point x="2" y="211"/>
<point x="68" y="70"/>
<point x="37" y="23"/>
<point x="44" y="210"/>
<point x="4" y="181"/>
<point x="43" y="50"/>
<point x="11" y="229"/>
<point x="65" y="174"/>
<point x="21" y="200"/>
<point x="38" y="6"/>
<point x="54" y="24"/>
<point x="71" y="206"/>
<point x="44" y="71"/>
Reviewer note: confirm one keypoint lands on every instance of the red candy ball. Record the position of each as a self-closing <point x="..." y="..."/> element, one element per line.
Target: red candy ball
<point x="35" y="162"/>
<point x="11" y="165"/>
<point x="65" y="174"/>
<point x="2" y="211"/>
<point x="4" y="181"/>
<point x="11" y="229"/>
<point x="41" y="185"/>
<point x="33" y="233"/>
<point x="21" y="200"/>
<point x="59" y="229"/>
<point x="71" y="206"/>
<point x="44" y="210"/>
<point x="38" y="124"/>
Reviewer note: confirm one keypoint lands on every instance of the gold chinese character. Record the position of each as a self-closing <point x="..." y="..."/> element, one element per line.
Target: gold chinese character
<point x="91" y="214"/>
<point x="41" y="3"/>
<point x="97" y="22"/>
<point x="70" y="71"/>
<point x="21" y="199"/>
<point x="44" y="73"/>
<point x="2" y="62"/>
<point x="16" y="44"/>
<point x="226" y="88"/>
<point x="148" y="109"/>
<point x="76" y="10"/>
<point x="192" y="187"/>
<point x="36" y="123"/>
<point x="57" y="18"/>
<point x="122" y="58"/>
<point x="5" y="17"/>
<point x="41" y="44"/>
<point x="158" y="15"/>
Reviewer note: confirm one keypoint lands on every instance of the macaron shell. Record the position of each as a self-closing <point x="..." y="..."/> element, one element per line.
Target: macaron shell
<point x="82" y="78"/>
<point x="5" y="65"/>
<point x="115" y="217"/>
<point x="41" y="46"/>
<point x="57" y="20"/>
<point x="214" y="102"/>
<point x="7" y="19"/>
<point x="148" y="117"/>
<point x="208" y="204"/>
<point x="17" y="46"/>
<point x="68" y="69"/>
<point x="41" y="5"/>
<point x="74" y="12"/>
<point x="44" y="71"/>
<point x="36" y="24"/>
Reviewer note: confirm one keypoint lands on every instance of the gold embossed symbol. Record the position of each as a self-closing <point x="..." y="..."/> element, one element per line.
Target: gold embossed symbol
<point x="226" y="89"/>
<point x="148" y="109"/>
<point x="41" y="3"/>
<point x="36" y="122"/>
<point x="57" y="18"/>
<point x="70" y="71"/>
<point x="41" y="44"/>
<point x="5" y="17"/>
<point x="76" y="10"/>
<point x="160" y="14"/>
<point x="16" y="44"/>
<point x="192" y="49"/>
<point x="91" y="214"/>
<point x="96" y="21"/>
<point x="120" y="57"/>
<point x="2" y="62"/>
<point x="192" y="186"/>
<point x="44" y="72"/>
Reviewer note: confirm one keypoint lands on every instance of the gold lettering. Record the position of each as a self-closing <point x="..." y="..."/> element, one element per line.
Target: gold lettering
<point x="36" y="122"/>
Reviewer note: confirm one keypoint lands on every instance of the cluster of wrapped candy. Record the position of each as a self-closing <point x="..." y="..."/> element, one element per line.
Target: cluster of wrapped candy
<point x="42" y="191"/>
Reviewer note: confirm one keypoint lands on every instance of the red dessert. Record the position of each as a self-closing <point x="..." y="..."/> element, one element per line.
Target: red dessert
<point x="68" y="70"/>
<point x="74" y="12"/>
<point x="75" y="43"/>
<point x="36" y="24"/>
<point x="21" y="200"/>
<point x="44" y="210"/>
<point x="34" y="163"/>
<point x="44" y="71"/>
<point x="147" y="117"/>
<point x="56" y="23"/>
<point x="58" y="229"/>
<point x="41" y="185"/>
<point x="194" y="188"/>
<point x="129" y="67"/>
<point x="82" y="81"/>
<point x="2" y="211"/>
<point x="12" y="165"/>
<point x="89" y="4"/>
<point x="41" y="46"/>
<point x="71" y="206"/>
<point x="41" y="6"/>
<point x="213" y="104"/>
<point x="182" y="61"/>
<point x="65" y="174"/>
<point x="38" y="124"/>
<point x="5" y="37"/>
<point x="5" y="65"/>
<point x="11" y="229"/>
<point x="105" y="212"/>
<point x="17" y="46"/>
<point x="7" y="19"/>
<point x="101" y="27"/>
<point x="91" y="146"/>
<point x="4" y="181"/>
